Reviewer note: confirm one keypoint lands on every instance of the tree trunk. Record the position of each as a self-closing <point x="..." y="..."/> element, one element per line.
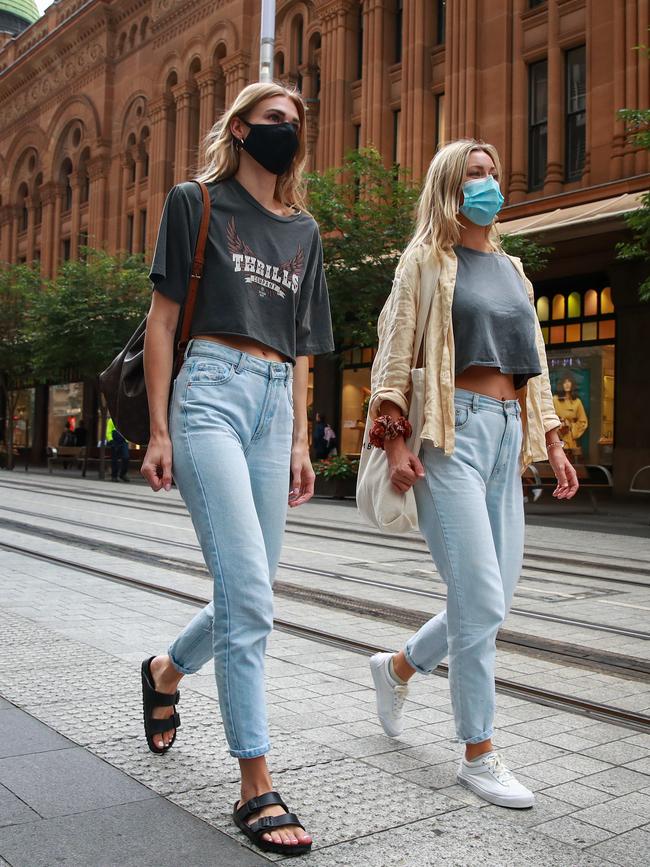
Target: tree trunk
<point x="11" y="401"/>
<point x="103" y="419"/>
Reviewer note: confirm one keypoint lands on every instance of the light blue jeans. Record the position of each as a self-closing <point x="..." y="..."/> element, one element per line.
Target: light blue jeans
<point x="231" y="423"/>
<point x="471" y="513"/>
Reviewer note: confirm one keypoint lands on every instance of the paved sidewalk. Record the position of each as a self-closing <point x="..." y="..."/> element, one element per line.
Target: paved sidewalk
<point x="60" y="804"/>
<point x="368" y="800"/>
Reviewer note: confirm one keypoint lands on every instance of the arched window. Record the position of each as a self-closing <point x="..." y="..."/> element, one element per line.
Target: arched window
<point x="574" y="305"/>
<point x="279" y="65"/>
<point x="144" y="143"/>
<point x="591" y="303"/>
<point x="558" y="307"/>
<point x="22" y="204"/>
<point x="606" y="304"/>
<point x="144" y="29"/>
<point x="542" y="309"/>
<point x="66" y="172"/>
<point x="84" y="179"/>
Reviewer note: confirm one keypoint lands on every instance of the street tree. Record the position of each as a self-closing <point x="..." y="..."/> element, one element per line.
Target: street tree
<point x="637" y="126"/>
<point x="86" y="315"/>
<point x="19" y="284"/>
<point x="366" y="216"/>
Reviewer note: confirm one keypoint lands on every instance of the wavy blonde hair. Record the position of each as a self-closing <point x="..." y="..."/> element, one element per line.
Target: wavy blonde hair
<point x="221" y="148"/>
<point x="437" y="223"/>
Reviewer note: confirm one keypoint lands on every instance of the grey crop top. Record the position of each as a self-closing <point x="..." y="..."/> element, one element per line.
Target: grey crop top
<point x="492" y="317"/>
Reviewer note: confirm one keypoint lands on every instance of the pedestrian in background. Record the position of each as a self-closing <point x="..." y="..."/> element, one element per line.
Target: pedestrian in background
<point x="330" y="441"/>
<point x="81" y="434"/>
<point x="119" y="453"/>
<point x="237" y="427"/>
<point x="318" y="442"/>
<point x="466" y="478"/>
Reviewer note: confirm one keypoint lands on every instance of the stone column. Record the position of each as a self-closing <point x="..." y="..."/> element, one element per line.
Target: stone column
<point x="374" y="87"/>
<point x="5" y="233"/>
<point x="206" y="82"/>
<point x="554" y="180"/>
<point x="518" y="181"/>
<point x="48" y="196"/>
<point x="418" y="121"/>
<point x="235" y="68"/>
<point x="158" y="165"/>
<point x="183" y="99"/>
<point x="59" y="190"/>
<point x="97" y="174"/>
<point x="137" y="226"/>
<point x="643" y="78"/>
<point x="31" y="227"/>
<point x="338" y="64"/>
<point x="75" y="215"/>
<point x="15" y="228"/>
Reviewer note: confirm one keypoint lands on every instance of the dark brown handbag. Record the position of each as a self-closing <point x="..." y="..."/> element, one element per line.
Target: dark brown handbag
<point x="122" y="383"/>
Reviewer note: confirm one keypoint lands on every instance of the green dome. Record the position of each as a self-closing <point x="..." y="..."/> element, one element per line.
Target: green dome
<point x="17" y="15"/>
<point x="25" y="9"/>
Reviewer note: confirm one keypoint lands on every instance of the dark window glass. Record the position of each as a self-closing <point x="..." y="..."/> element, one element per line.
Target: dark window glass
<point x="440" y="119"/>
<point x="576" y="95"/>
<point x="68" y="194"/>
<point x="357" y="136"/>
<point x="66" y="250"/>
<point x="533" y="3"/>
<point x="399" y="14"/>
<point x="441" y="18"/>
<point x="143" y="230"/>
<point x="129" y="233"/>
<point x="85" y="188"/>
<point x="24" y="218"/>
<point x="537" y="123"/>
<point x="299" y="38"/>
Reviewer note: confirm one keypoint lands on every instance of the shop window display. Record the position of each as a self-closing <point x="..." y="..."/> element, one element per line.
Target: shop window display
<point x="64" y="410"/>
<point x="21" y="407"/>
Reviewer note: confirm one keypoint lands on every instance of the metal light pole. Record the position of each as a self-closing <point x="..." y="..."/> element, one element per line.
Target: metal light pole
<point x="267" y="40"/>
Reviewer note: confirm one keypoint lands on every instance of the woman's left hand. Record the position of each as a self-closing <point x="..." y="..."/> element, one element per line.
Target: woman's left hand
<point x="567" y="480"/>
<point x="302" y="477"/>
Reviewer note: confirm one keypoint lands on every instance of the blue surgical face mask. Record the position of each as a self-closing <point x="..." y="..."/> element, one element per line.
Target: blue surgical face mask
<point x="482" y="200"/>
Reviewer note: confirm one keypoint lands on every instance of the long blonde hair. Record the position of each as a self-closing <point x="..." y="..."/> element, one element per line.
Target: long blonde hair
<point x="437" y="224"/>
<point x="222" y="148"/>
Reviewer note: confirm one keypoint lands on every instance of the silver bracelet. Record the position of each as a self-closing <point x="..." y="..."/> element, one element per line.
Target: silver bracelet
<point x="555" y="443"/>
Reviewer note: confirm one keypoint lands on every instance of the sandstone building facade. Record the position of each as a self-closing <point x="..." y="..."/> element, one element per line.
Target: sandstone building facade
<point x="103" y="104"/>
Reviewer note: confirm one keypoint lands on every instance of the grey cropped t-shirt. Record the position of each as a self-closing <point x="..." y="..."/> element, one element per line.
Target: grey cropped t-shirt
<point x="492" y="317"/>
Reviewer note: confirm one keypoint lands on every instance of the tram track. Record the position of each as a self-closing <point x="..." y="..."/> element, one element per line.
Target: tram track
<point x="385" y="541"/>
<point x="575" y="654"/>
<point x="593" y="710"/>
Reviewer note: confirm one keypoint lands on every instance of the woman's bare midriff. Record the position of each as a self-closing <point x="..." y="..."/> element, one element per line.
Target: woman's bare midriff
<point x="488" y="381"/>
<point x="245" y="344"/>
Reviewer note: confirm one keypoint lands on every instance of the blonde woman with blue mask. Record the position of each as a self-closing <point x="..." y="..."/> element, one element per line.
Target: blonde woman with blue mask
<point x="488" y="414"/>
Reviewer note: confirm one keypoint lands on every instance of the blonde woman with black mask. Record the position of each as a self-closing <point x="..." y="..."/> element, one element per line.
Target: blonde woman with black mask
<point x="236" y="436"/>
<point x="488" y="414"/>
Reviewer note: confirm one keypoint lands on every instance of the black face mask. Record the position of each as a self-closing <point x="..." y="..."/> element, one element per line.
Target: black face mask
<point x="272" y="145"/>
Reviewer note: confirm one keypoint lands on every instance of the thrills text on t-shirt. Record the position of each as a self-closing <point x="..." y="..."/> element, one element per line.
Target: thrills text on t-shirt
<point x="263" y="276"/>
<point x="277" y="278"/>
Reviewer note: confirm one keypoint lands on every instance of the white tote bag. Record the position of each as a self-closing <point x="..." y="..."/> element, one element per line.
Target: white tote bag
<point x="378" y="501"/>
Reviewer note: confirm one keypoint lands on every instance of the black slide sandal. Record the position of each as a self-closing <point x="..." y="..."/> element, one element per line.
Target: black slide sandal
<point x="268" y="824"/>
<point x="151" y="699"/>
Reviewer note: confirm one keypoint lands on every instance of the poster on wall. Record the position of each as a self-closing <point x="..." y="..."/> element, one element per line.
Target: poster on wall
<point x="571" y="388"/>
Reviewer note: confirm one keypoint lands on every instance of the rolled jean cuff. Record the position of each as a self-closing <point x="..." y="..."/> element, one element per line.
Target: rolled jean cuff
<point x="251" y="754"/>
<point x="409" y="659"/>
<point x="485" y="736"/>
<point x="179" y="668"/>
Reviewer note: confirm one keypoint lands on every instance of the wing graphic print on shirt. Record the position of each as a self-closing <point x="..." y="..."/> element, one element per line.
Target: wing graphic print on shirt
<point x="267" y="278"/>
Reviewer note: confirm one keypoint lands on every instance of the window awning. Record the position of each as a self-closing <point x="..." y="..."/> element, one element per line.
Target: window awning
<point x="575" y="221"/>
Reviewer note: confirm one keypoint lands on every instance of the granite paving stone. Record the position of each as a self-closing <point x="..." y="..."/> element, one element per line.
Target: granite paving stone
<point x="626" y="850"/>
<point x="570" y="830"/>
<point x="132" y="835"/>
<point x="13" y="810"/>
<point x="575" y="793"/>
<point x="22" y="734"/>
<point x="612" y="816"/>
<point x="617" y="781"/>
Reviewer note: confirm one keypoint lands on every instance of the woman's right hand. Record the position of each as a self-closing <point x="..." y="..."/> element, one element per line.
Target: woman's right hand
<point x="157" y="463"/>
<point x="405" y="467"/>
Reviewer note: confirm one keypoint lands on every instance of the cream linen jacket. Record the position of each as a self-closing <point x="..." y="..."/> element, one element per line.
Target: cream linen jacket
<point x="391" y="369"/>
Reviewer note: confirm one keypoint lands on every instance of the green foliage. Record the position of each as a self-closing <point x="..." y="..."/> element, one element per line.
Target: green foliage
<point x="85" y="316"/>
<point x="339" y="467"/>
<point x="19" y="285"/>
<point x="365" y="214"/>
<point x="533" y="256"/>
<point x="637" y="129"/>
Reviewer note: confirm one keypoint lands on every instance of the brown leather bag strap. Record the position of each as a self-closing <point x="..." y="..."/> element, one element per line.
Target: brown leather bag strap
<point x="195" y="277"/>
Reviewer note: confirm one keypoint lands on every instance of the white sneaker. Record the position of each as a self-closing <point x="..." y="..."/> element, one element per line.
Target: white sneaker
<point x="489" y="778"/>
<point x="390" y="695"/>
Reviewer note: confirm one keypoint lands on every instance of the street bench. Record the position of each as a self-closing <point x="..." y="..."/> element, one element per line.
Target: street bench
<point x="592" y="478"/>
<point x="65" y="455"/>
<point x="640" y="478"/>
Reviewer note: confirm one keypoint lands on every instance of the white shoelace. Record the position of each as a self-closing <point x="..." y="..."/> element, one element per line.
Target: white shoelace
<point x="399" y="697"/>
<point x="495" y="765"/>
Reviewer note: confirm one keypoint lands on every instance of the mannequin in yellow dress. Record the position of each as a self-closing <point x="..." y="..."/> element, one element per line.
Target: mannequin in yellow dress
<point x="571" y="412"/>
